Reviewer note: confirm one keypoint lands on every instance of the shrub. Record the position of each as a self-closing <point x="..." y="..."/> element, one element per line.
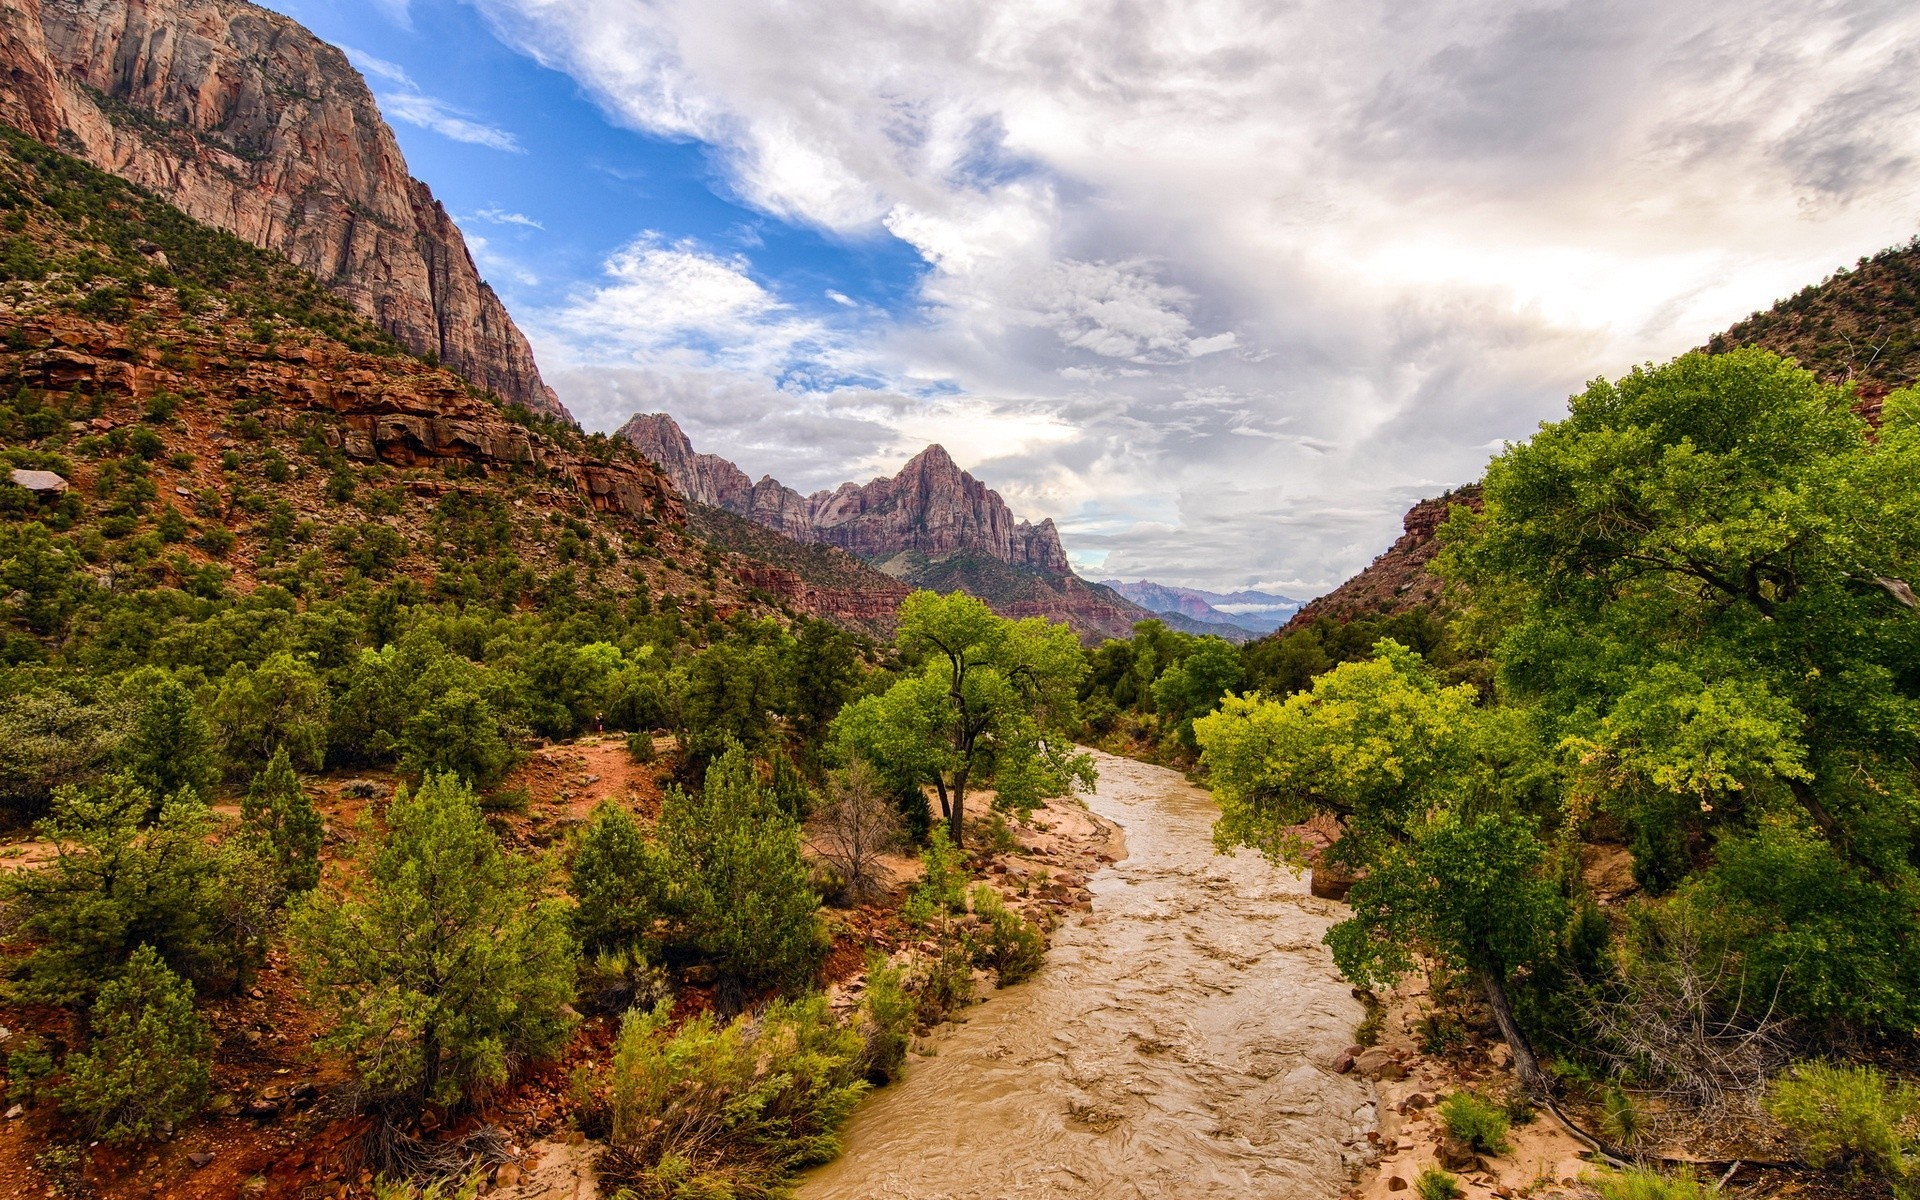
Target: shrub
<point x="886" y="1019"/>
<point x="113" y="886"/>
<point x="944" y="885"/>
<point x="713" y="1110"/>
<point x="640" y="746"/>
<point x="1637" y="1183"/>
<point x="169" y="746"/>
<point x="457" y="732"/>
<point x="617" y="881"/>
<point x="739" y="893"/>
<point x="1435" y="1184"/>
<point x="147" y="1067"/>
<point x="436" y="956"/>
<point x="1620" y="1117"/>
<point x="858" y="824"/>
<point x="1008" y="943"/>
<point x="1475" y="1121"/>
<point x="1852" y="1117"/>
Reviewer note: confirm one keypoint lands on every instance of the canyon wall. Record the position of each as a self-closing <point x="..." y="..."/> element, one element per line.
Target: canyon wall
<point x="246" y="121"/>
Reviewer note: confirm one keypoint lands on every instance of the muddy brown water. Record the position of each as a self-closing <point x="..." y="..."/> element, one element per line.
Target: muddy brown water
<point x="1175" y="1045"/>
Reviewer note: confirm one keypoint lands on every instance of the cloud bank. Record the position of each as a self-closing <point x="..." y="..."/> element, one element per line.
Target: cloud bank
<point x="1222" y="286"/>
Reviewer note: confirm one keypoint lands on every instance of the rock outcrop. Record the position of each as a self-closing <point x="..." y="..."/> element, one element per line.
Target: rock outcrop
<point x="246" y="121"/>
<point x="931" y="508"/>
<point x="1398" y="580"/>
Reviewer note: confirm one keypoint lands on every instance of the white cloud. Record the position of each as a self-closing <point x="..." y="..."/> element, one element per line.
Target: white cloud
<point x="499" y="216"/>
<point x="406" y="102"/>
<point x="1263" y="274"/>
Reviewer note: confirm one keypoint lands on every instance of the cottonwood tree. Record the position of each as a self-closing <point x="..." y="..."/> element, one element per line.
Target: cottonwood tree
<point x="1700" y="584"/>
<point x="437" y="958"/>
<point x="1433" y="793"/>
<point x="983" y="706"/>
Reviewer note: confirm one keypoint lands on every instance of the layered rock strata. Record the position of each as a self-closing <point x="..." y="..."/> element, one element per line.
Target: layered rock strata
<point x="246" y="121"/>
<point x="931" y="508"/>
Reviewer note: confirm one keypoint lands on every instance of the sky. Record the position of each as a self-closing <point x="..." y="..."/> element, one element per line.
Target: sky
<point x="1221" y="286"/>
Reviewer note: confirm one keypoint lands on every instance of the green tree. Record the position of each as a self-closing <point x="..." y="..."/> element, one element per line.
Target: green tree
<point x="985" y="707"/>
<point x="1433" y="793"/>
<point x="169" y="745"/>
<point x="148" y="1058"/>
<point x="1194" y="686"/>
<point x="114" y="885"/>
<point x="457" y="732"/>
<point x="437" y="958"/>
<point x="733" y="690"/>
<point x="738" y="888"/>
<point x="278" y="812"/>
<point x="282" y="703"/>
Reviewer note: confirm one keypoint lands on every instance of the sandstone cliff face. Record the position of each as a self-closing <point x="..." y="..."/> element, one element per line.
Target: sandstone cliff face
<point x="931" y="507"/>
<point x="249" y="123"/>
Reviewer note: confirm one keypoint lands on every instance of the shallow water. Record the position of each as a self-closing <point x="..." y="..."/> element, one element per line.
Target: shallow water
<point x="1175" y="1045"/>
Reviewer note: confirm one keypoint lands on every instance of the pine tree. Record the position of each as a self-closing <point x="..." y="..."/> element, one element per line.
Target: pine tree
<point x="738" y="878"/>
<point x="437" y="957"/>
<point x="278" y="810"/>
<point x="170" y="745"/>
<point x="146" y="1067"/>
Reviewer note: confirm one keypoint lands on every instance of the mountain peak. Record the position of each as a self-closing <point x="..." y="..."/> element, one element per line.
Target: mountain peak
<point x="930" y="507"/>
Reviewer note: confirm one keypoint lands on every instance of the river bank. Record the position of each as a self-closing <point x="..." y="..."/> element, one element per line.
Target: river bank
<point x="1179" y="1041"/>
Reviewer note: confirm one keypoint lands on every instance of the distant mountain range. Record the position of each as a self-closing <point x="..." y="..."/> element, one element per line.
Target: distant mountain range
<point x="1236" y="616"/>
<point x="932" y="525"/>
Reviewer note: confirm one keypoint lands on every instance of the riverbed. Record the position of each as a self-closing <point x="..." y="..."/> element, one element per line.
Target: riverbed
<point x="1177" y="1043"/>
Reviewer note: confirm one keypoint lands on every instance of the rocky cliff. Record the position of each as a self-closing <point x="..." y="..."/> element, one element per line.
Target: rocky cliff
<point x="931" y="508"/>
<point x="1398" y="580"/>
<point x="248" y="122"/>
<point x="932" y="525"/>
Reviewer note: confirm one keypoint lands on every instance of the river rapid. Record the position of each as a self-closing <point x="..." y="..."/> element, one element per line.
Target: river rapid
<point x="1176" y="1044"/>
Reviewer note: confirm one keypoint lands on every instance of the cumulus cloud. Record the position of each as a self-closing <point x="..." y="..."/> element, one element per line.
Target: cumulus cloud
<point x="1239" y="281"/>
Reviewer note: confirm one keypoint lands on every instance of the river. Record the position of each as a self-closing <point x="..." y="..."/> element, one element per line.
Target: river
<point x="1175" y="1045"/>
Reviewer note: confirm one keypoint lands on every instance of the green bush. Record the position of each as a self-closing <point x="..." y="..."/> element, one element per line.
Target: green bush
<point x="640" y="746"/>
<point x="1844" y="1116"/>
<point x="1475" y="1121"/>
<point x="437" y="958"/>
<point x="713" y="1110"/>
<point x="943" y="887"/>
<point x="618" y="884"/>
<point x="888" y="1012"/>
<point x="740" y="894"/>
<point x="1435" y="1184"/>
<point x="1008" y="942"/>
<point x="146" y="1067"/>
<point x="1638" y="1183"/>
<point x="115" y="885"/>
<point x="279" y="813"/>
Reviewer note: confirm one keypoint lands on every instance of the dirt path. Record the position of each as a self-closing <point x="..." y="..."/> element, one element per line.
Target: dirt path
<point x="1178" y="1043"/>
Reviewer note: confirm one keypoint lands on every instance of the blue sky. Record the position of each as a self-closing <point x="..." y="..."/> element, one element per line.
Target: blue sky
<point x="576" y="187"/>
<point x="1222" y="286"/>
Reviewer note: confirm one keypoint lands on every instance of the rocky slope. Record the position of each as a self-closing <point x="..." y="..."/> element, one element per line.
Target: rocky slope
<point x="249" y="123"/>
<point x="1398" y="580"/>
<point x="1859" y="326"/>
<point x="293" y="444"/>
<point x="932" y="525"/>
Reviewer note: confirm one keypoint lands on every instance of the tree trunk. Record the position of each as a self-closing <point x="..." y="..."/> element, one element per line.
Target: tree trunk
<point x="429" y="1061"/>
<point x="1532" y="1079"/>
<point x="956" y="820"/>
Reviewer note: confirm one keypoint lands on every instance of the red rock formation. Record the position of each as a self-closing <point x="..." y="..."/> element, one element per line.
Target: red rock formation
<point x="248" y="122"/>
<point x="931" y="507"/>
<point x="1399" y="579"/>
